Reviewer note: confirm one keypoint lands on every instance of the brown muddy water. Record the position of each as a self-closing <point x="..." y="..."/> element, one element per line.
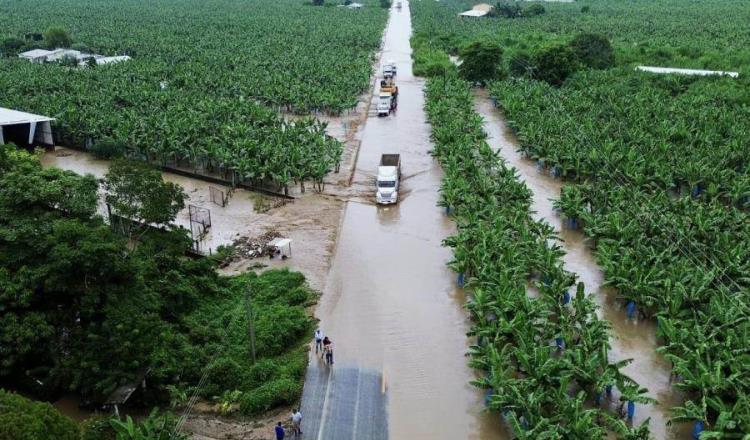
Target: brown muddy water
<point x="390" y="303"/>
<point x="631" y="339"/>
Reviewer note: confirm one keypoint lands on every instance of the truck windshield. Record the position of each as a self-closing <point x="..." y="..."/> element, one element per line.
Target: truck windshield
<point x="386" y="184"/>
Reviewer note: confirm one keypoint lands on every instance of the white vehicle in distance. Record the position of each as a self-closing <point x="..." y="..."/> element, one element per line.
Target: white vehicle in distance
<point x="389" y="69"/>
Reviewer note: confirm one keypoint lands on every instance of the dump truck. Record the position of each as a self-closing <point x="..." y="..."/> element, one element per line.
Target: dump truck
<point x="388" y="97"/>
<point x="389" y="86"/>
<point x="388" y="180"/>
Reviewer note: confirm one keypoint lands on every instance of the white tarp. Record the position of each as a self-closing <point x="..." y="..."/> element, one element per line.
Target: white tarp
<point x="473" y="13"/>
<point x="695" y="72"/>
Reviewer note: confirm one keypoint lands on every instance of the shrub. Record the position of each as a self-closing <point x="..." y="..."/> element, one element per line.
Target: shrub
<point x="80" y="47"/>
<point x="97" y="428"/>
<point x="507" y="10"/>
<point x="554" y="63"/>
<point x="429" y="63"/>
<point x="278" y="392"/>
<point x="585" y="9"/>
<point x="11" y="46"/>
<point x="108" y="148"/>
<point x="22" y="418"/>
<point x="593" y="50"/>
<point x="481" y="61"/>
<point x="533" y="10"/>
<point x="521" y="64"/>
<point x="57" y="37"/>
<point x="385" y="4"/>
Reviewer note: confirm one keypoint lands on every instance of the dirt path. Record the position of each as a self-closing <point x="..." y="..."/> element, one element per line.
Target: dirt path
<point x="390" y="303"/>
<point x="631" y="339"/>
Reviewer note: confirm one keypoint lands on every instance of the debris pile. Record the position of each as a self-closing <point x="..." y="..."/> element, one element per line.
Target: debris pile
<point x="246" y="248"/>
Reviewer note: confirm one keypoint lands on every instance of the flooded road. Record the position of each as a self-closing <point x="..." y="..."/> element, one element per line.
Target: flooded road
<point x="390" y="303"/>
<point x="630" y="339"/>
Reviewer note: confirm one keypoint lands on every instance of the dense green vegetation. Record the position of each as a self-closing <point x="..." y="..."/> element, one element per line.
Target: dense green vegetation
<point x="82" y="310"/>
<point x="544" y="359"/>
<point x="701" y="33"/>
<point x="24" y="419"/>
<point x="662" y="186"/>
<point x="206" y="80"/>
<point x="657" y="166"/>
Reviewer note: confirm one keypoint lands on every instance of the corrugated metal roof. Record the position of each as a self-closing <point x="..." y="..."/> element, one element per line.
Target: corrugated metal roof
<point x="35" y="53"/>
<point x="10" y="117"/>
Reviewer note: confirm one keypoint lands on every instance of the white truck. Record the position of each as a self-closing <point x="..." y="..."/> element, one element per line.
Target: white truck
<point x="389" y="69"/>
<point x="388" y="180"/>
<point x="386" y="103"/>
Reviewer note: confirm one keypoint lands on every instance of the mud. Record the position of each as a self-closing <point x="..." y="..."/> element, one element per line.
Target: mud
<point x="390" y="303"/>
<point x="310" y="221"/>
<point x="630" y="339"/>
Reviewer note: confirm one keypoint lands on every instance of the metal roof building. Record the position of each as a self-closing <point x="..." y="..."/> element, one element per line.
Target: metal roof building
<point x="25" y="129"/>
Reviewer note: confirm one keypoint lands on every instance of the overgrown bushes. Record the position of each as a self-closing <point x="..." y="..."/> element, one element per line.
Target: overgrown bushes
<point x="24" y="419"/>
<point x="88" y="313"/>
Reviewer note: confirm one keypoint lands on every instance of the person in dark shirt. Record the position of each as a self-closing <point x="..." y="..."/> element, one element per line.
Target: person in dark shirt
<point x="280" y="432"/>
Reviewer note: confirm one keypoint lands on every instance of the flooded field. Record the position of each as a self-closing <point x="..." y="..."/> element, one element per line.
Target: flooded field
<point x="631" y="339"/>
<point x="390" y="304"/>
<point x="310" y="221"/>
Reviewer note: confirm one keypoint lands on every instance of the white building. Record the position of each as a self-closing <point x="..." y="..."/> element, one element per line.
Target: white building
<point x="36" y="55"/>
<point x="49" y="56"/>
<point x="25" y="129"/>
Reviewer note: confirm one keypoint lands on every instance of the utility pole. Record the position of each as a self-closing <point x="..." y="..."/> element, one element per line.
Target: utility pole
<point x="251" y="324"/>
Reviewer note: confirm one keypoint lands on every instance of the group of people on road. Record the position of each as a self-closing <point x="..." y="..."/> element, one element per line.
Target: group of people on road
<point x="324" y="346"/>
<point x="296" y="426"/>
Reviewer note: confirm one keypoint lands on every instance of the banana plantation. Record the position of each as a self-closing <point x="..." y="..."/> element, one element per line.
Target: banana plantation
<point x="544" y="360"/>
<point x="660" y="184"/>
<point x="656" y="175"/>
<point x="206" y="81"/>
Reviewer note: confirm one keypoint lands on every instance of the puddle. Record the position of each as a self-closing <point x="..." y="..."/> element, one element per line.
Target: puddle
<point x="636" y="340"/>
<point x="390" y="303"/>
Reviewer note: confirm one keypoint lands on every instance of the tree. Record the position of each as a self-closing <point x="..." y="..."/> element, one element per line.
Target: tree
<point x="520" y="64"/>
<point x="385" y="4"/>
<point x="533" y="10"/>
<point x="507" y="10"/>
<point x="554" y="63"/>
<point x="11" y="46"/>
<point x="136" y="191"/>
<point x="593" y="50"/>
<point x="57" y="37"/>
<point x="318" y="2"/>
<point x="481" y="61"/>
<point x="21" y="418"/>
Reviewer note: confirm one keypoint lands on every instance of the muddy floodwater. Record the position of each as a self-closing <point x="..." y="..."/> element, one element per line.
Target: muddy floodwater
<point x="631" y="339"/>
<point x="390" y="303"/>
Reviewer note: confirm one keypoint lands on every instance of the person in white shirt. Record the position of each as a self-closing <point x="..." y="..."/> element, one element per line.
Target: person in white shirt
<point x="318" y="340"/>
<point x="296" y="422"/>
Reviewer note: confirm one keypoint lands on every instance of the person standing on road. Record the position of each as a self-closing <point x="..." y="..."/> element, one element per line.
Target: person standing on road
<point x="329" y="353"/>
<point x="279" y="432"/>
<point x="296" y="422"/>
<point x="318" y="340"/>
<point x="326" y="343"/>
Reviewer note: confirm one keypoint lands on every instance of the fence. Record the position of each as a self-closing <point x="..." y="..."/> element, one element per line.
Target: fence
<point x="200" y="221"/>
<point x="219" y="197"/>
